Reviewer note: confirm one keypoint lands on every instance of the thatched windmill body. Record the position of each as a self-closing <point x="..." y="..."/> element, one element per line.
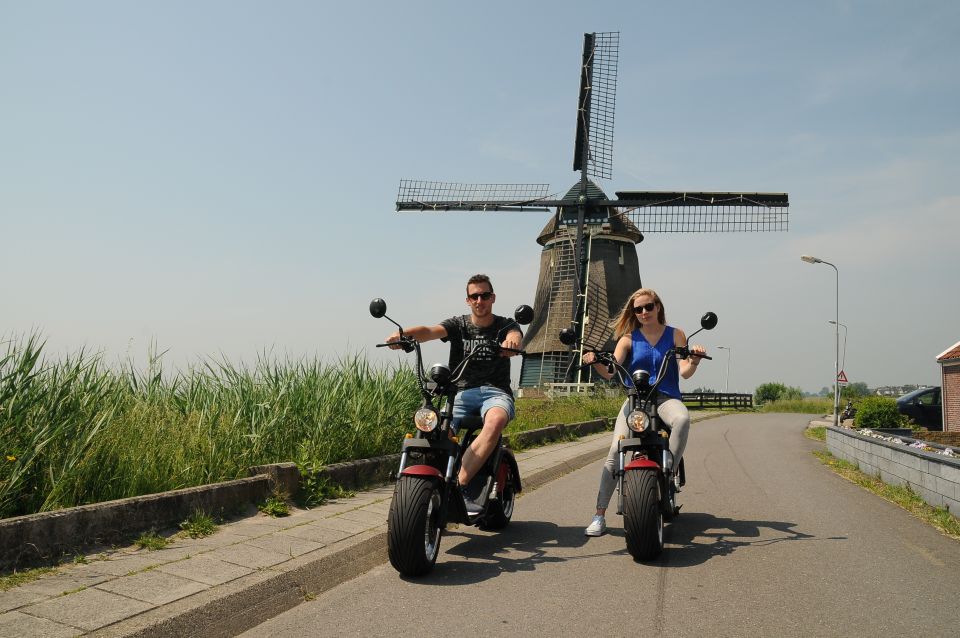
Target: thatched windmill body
<point x="588" y="265"/>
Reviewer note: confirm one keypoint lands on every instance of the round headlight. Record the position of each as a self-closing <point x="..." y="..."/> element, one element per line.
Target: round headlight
<point x="426" y="419"/>
<point x="637" y="421"/>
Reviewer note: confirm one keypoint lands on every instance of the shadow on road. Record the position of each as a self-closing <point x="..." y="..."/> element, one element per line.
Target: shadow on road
<point x="521" y="546"/>
<point x="696" y="537"/>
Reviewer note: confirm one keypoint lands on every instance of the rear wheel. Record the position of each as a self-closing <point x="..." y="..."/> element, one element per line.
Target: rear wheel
<point x="642" y="516"/>
<point x="413" y="526"/>
<point x="501" y="510"/>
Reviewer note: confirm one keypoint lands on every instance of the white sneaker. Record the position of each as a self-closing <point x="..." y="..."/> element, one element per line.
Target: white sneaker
<point x="597" y="527"/>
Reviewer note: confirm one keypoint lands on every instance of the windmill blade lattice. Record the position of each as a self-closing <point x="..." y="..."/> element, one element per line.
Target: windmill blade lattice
<point x="704" y="212"/>
<point x="422" y="195"/>
<point x="597" y="104"/>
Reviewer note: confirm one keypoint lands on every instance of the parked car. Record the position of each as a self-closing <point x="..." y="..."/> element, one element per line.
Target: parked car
<point x="924" y="406"/>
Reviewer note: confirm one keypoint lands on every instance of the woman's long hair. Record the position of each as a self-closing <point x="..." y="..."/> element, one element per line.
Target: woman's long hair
<point x="627" y="322"/>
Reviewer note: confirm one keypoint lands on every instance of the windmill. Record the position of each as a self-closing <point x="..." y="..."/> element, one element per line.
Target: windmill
<point x="588" y="265"/>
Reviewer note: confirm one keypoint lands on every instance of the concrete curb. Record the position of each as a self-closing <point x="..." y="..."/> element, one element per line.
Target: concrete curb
<point x="246" y="602"/>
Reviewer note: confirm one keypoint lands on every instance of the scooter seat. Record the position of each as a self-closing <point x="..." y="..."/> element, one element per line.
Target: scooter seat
<point x="470" y="424"/>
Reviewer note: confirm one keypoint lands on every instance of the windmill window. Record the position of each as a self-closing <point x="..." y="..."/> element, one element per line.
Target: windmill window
<point x="620" y="261"/>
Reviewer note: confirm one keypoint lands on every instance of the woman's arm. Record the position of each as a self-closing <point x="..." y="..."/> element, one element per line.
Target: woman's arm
<point x="620" y="353"/>
<point x="689" y="365"/>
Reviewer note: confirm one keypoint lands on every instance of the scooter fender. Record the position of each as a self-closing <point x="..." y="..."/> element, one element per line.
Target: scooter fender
<point x="422" y="470"/>
<point x="508" y="457"/>
<point x="642" y="464"/>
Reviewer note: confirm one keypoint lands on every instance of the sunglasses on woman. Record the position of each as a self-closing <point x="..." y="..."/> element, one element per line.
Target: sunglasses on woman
<point x="645" y="307"/>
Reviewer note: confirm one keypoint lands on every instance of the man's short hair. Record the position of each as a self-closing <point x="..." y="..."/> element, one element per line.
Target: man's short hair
<point x="479" y="279"/>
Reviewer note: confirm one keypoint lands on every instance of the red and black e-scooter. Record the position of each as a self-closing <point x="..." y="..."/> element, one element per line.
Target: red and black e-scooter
<point x="647" y="479"/>
<point x="427" y="495"/>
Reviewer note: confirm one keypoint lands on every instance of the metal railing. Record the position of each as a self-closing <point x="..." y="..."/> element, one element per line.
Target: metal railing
<point x="716" y="400"/>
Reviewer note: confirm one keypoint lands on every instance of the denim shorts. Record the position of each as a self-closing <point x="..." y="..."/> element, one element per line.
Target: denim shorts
<point x="479" y="400"/>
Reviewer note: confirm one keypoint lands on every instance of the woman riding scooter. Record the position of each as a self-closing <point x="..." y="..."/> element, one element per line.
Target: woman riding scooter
<point x="643" y="338"/>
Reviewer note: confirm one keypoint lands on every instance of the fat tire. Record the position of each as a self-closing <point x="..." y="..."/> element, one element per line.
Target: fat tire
<point x="500" y="511"/>
<point x="413" y="526"/>
<point x="642" y="516"/>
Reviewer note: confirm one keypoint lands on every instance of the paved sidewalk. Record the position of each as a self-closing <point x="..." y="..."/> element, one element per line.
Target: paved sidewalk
<point x="250" y="570"/>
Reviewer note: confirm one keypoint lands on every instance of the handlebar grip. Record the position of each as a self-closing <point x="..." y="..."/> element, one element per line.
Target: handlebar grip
<point x="406" y="347"/>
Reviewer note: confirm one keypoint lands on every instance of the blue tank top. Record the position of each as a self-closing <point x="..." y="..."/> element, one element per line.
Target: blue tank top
<point x="644" y="356"/>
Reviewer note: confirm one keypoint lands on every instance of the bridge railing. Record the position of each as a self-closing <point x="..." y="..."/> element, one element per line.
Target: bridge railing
<point x="717" y="400"/>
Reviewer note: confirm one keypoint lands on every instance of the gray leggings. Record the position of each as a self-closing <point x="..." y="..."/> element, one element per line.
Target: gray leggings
<point x="673" y="412"/>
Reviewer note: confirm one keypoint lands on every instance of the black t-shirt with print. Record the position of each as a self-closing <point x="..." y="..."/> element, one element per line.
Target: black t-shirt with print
<point x="487" y="368"/>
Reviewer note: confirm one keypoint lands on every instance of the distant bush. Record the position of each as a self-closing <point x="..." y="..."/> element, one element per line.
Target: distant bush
<point x="854" y="390"/>
<point x="879" y="412"/>
<point x="767" y="392"/>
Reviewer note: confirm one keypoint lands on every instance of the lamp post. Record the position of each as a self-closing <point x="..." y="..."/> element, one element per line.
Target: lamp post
<point x="836" y="332"/>
<point x="843" y="360"/>
<point x="726" y="387"/>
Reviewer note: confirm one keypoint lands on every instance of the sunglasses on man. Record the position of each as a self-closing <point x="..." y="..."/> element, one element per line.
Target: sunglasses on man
<point x="477" y="296"/>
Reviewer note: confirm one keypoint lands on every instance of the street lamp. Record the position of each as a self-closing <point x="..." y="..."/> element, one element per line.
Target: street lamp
<point x="726" y="387"/>
<point x="836" y="332"/>
<point x="843" y="360"/>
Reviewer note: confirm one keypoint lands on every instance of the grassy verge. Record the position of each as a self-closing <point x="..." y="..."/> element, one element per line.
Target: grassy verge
<point x="536" y="413"/>
<point x="803" y="406"/>
<point x="16" y="579"/>
<point x="903" y="496"/>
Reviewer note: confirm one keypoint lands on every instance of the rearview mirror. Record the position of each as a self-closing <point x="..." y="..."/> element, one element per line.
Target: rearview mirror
<point x="568" y="336"/>
<point x="523" y="314"/>
<point x="708" y="321"/>
<point x="378" y="308"/>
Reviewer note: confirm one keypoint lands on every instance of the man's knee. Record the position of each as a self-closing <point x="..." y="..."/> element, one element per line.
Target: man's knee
<point x="495" y="419"/>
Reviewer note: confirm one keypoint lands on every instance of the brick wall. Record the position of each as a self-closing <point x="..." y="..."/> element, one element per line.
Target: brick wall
<point x="943" y="438"/>
<point x="951" y="397"/>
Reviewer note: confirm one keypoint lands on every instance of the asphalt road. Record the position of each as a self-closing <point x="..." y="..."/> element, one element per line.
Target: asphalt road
<point x="769" y="543"/>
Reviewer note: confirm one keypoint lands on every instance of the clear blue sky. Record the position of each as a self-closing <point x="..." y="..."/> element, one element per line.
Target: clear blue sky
<point x="219" y="177"/>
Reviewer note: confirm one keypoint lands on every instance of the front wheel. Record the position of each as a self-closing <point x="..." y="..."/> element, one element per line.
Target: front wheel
<point x="413" y="526"/>
<point x="642" y="516"/>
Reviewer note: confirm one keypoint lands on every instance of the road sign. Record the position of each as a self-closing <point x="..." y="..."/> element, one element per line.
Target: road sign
<point x="842" y="377"/>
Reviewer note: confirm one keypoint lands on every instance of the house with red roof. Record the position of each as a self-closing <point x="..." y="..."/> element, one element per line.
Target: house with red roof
<point x="949" y="361"/>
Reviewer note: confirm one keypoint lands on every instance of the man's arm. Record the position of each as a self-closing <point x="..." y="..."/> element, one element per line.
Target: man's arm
<point x="420" y="333"/>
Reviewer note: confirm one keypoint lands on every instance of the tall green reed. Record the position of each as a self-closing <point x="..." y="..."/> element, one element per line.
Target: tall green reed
<point x="76" y="431"/>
